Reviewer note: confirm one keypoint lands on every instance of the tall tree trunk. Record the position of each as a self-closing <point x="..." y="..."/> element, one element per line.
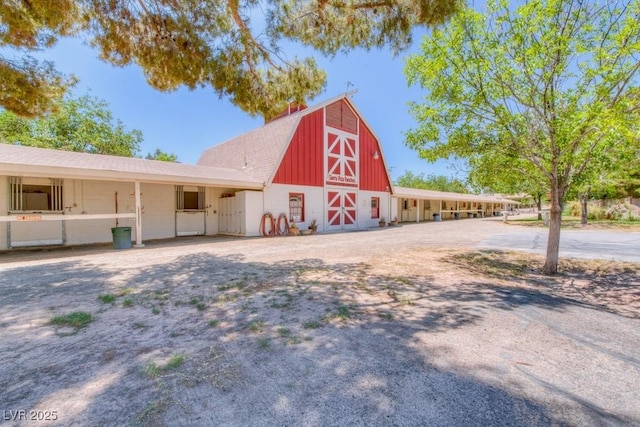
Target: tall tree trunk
<point x="539" y="204"/>
<point x="553" y="242"/>
<point x="584" y="198"/>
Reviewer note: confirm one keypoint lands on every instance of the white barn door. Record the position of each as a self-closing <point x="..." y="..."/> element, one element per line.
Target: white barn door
<point x="342" y="209"/>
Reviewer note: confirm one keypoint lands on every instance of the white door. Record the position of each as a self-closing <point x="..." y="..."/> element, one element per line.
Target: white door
<point x="342" y="209"/>
<point x="35" y="233"/>
<point x="228" y="219"/>
<point x="190" y="223"/>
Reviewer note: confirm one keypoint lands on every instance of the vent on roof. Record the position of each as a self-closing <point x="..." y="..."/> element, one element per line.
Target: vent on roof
<point x="292" y="108"/>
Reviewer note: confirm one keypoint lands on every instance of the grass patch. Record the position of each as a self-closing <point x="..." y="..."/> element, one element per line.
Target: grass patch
<point x="153" y="370"/>
<point x="201" y="306"/>
<point x="174" y="362"/>
<point x="343" y="312"/>
<point x="213" y="323"/>
<point x="107" y="298"/>
<point x="312" y="324"/>
<point x="77" y="319"/>
<point x="284" y="332"/>
<point x="264" y="343"/>
<point x="256" y="326"/>
<point x="155" y="310"/>
<point x="152" y="413"/>
<point x="128" y="302"/>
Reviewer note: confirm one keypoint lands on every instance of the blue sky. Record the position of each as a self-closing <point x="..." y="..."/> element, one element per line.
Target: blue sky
<point x="187" y="122"/>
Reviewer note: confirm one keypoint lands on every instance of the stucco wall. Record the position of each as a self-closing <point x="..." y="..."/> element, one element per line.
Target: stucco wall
<point x="97" y="197"/>
<point x="364" y="208"/>
<point x="276" y="201"/>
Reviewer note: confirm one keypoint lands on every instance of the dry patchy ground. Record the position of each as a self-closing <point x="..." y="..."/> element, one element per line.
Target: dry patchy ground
<point x="385" y="327"/>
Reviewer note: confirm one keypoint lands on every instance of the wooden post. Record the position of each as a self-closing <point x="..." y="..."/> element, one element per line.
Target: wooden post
<point x="138" y="216"/>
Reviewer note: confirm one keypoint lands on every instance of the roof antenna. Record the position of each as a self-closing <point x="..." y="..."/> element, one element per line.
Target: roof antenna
<point x="350" y="93"/>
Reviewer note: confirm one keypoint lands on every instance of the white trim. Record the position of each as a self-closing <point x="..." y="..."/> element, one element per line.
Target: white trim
<point x="26" y="243"/>
<point x="58" y="217"/>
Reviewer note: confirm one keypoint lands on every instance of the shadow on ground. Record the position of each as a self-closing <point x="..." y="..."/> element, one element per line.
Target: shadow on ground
<point x="295" y="342"/>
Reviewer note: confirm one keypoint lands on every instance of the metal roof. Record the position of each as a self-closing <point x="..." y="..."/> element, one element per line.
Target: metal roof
<point x="416" y="193"/>
<point x="19" y="161"/>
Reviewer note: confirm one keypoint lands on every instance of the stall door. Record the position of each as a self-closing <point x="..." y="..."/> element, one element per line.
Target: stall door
<point x="190" y="214"/>
<point x="341" y="209"/>
<point x="35" y="232"/>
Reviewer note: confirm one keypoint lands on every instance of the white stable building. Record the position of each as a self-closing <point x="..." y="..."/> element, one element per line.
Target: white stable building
<point x="321" y="163"/>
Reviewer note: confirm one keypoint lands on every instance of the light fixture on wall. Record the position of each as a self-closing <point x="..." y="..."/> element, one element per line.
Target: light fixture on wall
<point x="376" y="155"/>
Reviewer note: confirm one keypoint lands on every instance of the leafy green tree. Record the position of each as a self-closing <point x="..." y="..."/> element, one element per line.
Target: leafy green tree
<point x="507" y="175"/>
<point x="431" y="182"/>
<point x="550" y="83"/>
<point x="234" y="47"/>
<point x="162" y="156"/>
<point x="83" y="124"/>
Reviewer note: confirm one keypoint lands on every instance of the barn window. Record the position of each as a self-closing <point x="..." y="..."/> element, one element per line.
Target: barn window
<point x="189" y="198"/>
<point x="296" y="207"/>
<point x="427" y="205"/>
<point x="36" y="194"/>
<point x="405" y="204"/>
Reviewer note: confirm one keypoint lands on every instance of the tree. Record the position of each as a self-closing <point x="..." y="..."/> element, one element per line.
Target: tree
<point x="162" y="156"/>
<point x="231" y="46"/>
<point x="83" y="124"/>
<point x="507" y="175"/>
<point x="431" y="182"/>
<point x="550" y="83"/>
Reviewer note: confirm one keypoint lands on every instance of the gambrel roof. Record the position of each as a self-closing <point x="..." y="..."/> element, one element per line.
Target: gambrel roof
<point x="258" y="153"/>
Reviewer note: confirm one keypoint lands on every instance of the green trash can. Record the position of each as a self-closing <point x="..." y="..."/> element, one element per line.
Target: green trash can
<point x="121" y="237"/>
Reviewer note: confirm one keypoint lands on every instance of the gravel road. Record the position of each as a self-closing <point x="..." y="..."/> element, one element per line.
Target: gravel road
<point x="423" y="324"/>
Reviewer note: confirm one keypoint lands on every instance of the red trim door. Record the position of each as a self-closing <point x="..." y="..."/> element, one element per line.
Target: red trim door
<point x="342" y="209"/>
<point x="375" y="207"/>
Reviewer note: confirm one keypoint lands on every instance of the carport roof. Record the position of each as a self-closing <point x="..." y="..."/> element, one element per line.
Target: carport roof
<point x="29" y="161"/>
<point x="415" y="193"/>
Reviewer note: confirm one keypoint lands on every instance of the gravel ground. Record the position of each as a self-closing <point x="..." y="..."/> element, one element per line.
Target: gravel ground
<point x="410" y="325"/>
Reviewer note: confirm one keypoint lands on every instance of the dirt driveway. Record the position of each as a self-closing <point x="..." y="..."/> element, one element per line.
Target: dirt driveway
<point x="410" y="325"/>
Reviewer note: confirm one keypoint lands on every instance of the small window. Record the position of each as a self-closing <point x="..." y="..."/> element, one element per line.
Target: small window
<point x="296" y="207"/>
<point x="36" y="195"/>
<point x="405" y="204"/>
<point x="375" y="207"/>
<point x="189" y="198"/>
<point x="427" y="205"/>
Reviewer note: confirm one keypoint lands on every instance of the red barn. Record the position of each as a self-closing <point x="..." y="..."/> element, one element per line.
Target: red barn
<point x="322" y="163"/>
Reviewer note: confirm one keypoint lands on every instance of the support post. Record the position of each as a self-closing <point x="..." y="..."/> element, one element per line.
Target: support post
<point x="138" y="216"/>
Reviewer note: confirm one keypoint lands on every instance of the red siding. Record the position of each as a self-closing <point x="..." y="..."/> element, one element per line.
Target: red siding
<point x="373" y="175"/>
<point x="303" y="162"/>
